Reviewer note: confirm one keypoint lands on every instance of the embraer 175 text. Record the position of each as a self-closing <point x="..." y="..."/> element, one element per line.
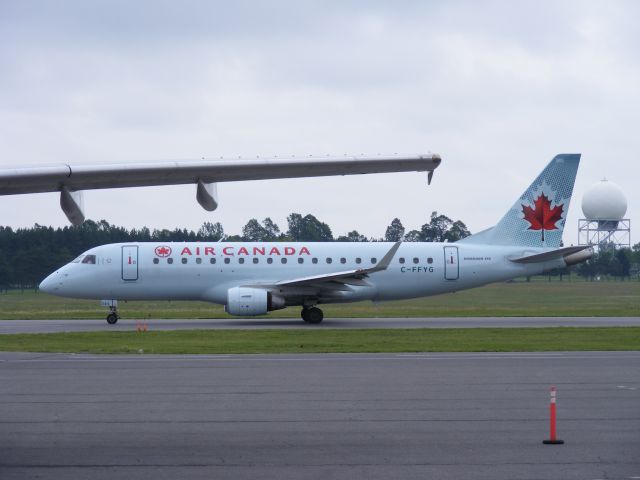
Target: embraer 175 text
<point x="255" y="278"/>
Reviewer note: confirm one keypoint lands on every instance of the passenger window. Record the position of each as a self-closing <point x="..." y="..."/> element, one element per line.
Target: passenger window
<point x="156" y="261"/>
<point x="374" y="260"/>
<point x="358" y="260"/>
<point x="198" y="260"/>
<point x="255" y="260"/>
<point x="401" y="260"/>
<point x="169" y="261"/>
<point x="343" y="260"/>
<point x="329" y="259"/>
<point x="227" y="260"/>
<point x="429" y="260"/>
<point x="283" y="260"/>
<point x="91" y="259"/>
<point x="300" y="260"/>
<point x="416" y="260"/>
<point x="269" y="260"/>
<point x="212" y="261"/>
<point x="184" y="261"/>
<point x="314" y="260"/>
<point x="241" y="260"/>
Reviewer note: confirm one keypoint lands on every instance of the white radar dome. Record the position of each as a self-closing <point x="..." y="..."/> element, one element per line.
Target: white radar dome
<point x="604" y="200"/>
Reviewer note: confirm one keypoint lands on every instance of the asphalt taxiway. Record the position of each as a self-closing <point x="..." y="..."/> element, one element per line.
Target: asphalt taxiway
<point x="52" y="326"/>
<point x="373" y="416"/>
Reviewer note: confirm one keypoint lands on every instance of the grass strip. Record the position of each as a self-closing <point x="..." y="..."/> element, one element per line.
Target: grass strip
<point x="518" y="299"/>
<point x="331" y="341"/>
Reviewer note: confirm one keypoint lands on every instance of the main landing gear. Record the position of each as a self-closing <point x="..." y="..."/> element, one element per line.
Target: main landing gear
<point x="112" y="317"/>
<point x="312" y="314"/>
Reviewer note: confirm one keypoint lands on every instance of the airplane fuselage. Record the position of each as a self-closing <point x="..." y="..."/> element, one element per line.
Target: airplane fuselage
<point x="203" y="271"/>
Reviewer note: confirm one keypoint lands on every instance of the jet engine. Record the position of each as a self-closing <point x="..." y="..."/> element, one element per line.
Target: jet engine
<point x="579" y="257"/>
<point x="244" y="301"/>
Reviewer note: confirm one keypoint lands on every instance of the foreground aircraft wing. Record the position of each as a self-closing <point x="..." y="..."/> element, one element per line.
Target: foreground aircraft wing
<point x="71" y="180"/>
<point x="348" y="277"/>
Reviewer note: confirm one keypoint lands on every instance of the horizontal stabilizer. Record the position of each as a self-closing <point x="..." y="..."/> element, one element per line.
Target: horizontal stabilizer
<point x="570" y="254"/>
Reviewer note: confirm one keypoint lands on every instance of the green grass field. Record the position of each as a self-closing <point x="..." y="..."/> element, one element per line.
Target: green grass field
<point x="538" y="298"/>
<point x="330" y="341"/>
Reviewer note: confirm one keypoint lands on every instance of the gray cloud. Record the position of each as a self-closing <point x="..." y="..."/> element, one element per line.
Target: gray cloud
<point x="496" y="87"/>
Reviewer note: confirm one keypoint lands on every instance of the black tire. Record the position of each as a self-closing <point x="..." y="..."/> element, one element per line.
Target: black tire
<point x="112" y="319"/>
<point x="314" y="315"/>
<point x="303" y="314"/>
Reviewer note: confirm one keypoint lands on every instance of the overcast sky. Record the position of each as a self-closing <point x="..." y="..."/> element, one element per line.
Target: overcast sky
<point x="496" y="88"/>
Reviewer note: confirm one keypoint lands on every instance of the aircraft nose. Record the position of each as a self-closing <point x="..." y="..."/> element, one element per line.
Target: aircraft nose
<point x="51" y="283"/>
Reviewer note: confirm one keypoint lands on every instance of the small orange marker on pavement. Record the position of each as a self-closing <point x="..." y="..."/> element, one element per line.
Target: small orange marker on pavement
<point x="552" y="421"/>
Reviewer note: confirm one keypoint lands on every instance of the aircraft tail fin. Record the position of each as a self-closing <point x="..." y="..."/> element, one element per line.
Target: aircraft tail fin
<point x="537" y="218"/>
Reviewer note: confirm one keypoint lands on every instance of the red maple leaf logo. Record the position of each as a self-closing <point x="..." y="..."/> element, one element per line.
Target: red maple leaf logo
<point x="163" y="251"/>
<point x="542" y="216"/>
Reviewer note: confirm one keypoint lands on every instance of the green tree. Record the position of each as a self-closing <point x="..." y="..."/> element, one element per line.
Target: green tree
<point x="457" y="231"/>
<point x="623" y="255"/>
<point x="352" y="236"/>
<point x="272" y="229"/>
<point x="607" y="262"/>
<point x="395" y="231"/>
<point x="442" y="229"/>
<point x="211" y="232"/>
<point x="307" y="229"/>
<point x="5" y="273"/>
<point x="413" y="236"/>
<point x="587" y="270"/>
<point x="254" y="232"/>
<point x="435" y="230"/>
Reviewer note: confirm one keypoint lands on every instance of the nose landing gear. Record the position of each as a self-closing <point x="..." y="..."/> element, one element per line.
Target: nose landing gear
<point x="312" y="314"/>
<point x="112" y="316"/>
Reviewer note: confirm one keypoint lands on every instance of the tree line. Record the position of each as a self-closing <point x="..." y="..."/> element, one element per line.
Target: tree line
<point x="27" y="255"/>
<point x="622" y="263"/>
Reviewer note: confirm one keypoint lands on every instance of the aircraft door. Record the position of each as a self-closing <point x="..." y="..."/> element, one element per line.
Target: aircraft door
<point x="130" y="262"/>
<point x="451" y="266"/>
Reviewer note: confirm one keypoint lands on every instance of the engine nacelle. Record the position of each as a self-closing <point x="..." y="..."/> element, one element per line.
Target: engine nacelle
<point x="579" y="257"/>
<point x="244" y="301"/>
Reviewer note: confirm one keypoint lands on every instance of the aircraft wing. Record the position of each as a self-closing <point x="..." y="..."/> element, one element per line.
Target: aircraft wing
<point x="322" y="284"/>
<point x="71" y="180"/>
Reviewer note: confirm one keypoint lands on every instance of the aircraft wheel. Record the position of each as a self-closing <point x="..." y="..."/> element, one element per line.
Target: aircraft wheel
<point x="313" y="315"/>
<point x="112" y="319"/>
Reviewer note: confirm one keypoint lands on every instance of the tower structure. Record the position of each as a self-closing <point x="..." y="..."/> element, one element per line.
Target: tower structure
<point x="604" y="206"/>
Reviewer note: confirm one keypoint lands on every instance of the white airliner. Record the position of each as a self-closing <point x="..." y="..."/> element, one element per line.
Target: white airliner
<point x="255" y="278"/>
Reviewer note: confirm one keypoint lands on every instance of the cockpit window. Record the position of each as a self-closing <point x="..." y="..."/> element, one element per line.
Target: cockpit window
<point x="89" y="259"/>
<point x="79" y="259"/>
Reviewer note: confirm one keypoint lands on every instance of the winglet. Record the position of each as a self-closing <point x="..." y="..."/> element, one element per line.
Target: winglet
<point x="386" y="260"/>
